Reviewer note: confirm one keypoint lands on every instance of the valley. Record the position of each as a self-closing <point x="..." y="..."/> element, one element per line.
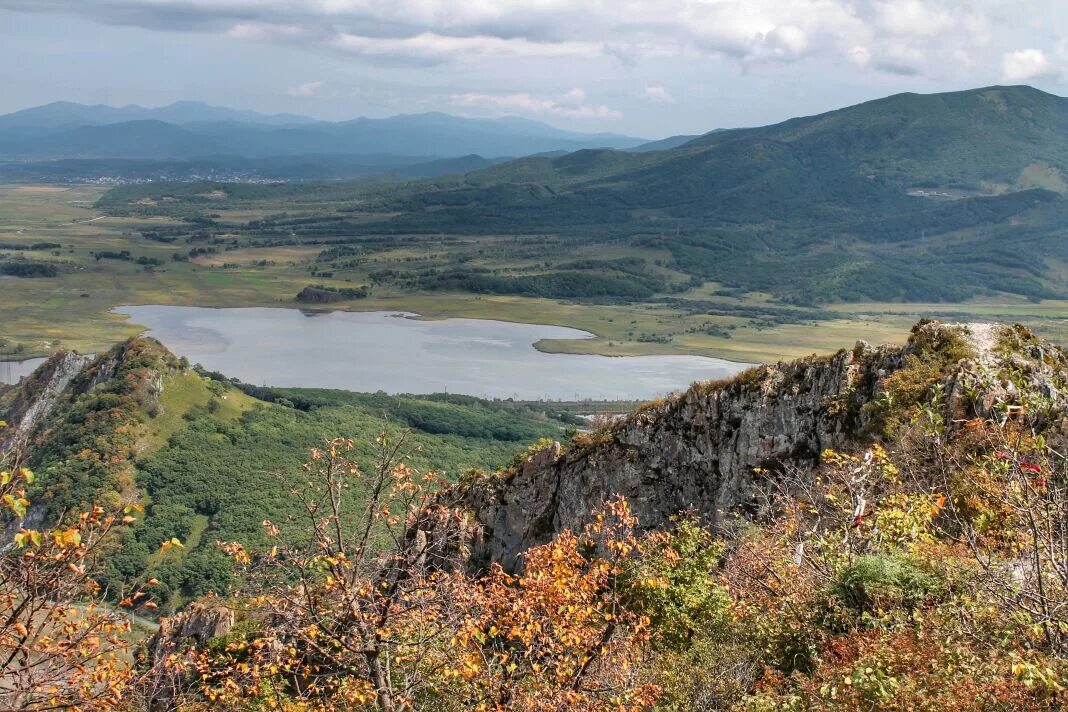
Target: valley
<point x="230" y="245"/>
<point x="400" y="413"/>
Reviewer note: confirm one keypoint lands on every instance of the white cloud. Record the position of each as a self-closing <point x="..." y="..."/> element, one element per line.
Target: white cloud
<point x="575" y="96"/>
<point x="859" y="57"/>
<point x="905" y="37"/>
<point x="432" y="47"/>
<point x="658" y="93"/>
<point x="264" y="31"/>
<point x="524" y="103"/>
<point x="787" y="41"/>
<point x="308" y="89"/>
<point x="913" y="18"/>
<point x="1025" y="64"/>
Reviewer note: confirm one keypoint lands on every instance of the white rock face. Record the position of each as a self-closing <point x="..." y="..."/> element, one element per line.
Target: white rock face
<point x="49" y="380"/>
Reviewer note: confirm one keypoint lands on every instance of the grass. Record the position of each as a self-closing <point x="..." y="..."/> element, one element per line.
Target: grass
<point x="73" y="310"/>
<point x="186" y="390"/>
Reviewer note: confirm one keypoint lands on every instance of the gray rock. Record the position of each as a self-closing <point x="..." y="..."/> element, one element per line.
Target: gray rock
<point x="699" y="449"/>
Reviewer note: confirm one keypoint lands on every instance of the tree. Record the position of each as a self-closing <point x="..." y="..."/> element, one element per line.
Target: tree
<point x="372" y="611"/>
<point x="60" y="647"/>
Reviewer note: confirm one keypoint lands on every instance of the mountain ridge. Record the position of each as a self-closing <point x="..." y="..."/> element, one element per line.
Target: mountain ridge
<point x="748" y="207"/>
<point x="703" y="450"/>
<point x="192" y="129"/>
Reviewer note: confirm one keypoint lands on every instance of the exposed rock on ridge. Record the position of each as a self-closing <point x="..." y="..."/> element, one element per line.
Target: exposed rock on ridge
<point x="39" y="393"/>
<point x="698" y="449"/>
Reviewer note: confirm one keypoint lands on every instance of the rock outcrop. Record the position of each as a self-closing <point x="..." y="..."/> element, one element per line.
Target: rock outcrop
<point x="196" y="625"/>
<point x="39" y="393"/>
<point x="699" y="450"/>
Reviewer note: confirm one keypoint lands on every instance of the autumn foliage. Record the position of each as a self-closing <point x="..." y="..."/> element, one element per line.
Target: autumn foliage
<point x="361" y="616"/>
<point x="923" y="569"/>
<point x="61" y="648"/>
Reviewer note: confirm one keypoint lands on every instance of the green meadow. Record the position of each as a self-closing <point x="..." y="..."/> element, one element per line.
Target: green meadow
<point x="72" y="310"/>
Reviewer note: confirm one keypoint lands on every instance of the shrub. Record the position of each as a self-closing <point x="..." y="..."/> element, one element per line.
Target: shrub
<point x="885" y="582"/>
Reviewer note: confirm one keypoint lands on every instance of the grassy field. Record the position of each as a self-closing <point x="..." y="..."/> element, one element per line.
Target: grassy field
<point x="38" y="315"/>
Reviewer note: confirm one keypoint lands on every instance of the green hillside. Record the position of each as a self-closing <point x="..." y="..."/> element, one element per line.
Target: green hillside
<point x="968" y="137"/>
<point x="209" y="461"/>
<point x="932" y="198"/>
<point x="912" y="197"/>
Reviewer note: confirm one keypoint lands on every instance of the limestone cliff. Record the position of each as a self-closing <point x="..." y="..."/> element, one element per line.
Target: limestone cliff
<point x="698" y="449"/>
<point x="38" y="394"/>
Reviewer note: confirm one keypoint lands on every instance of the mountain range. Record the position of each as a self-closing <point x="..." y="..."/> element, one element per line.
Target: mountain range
<point x="917" y="197"/>
<point x="187" y="130"/>
<point x="939" y="197"/>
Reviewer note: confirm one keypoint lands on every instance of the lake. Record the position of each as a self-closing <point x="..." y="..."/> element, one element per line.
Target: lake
<point x="386" y="351"/>
<point x="12" y="371"/>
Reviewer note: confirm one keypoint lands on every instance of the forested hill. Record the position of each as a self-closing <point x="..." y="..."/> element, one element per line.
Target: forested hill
<point x="915" y="197"/>
<point x="965" y="137"/>
<point x="982" y="141"/>
<point x="205" y="455"/>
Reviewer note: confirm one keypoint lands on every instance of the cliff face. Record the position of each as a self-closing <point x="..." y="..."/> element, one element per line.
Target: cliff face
<point x="39" y="393"/>
<point x="698" y="450"/>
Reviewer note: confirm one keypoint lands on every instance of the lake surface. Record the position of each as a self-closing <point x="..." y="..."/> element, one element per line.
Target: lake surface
<point x="12" y="371"/>
<point x="386" y="351"/>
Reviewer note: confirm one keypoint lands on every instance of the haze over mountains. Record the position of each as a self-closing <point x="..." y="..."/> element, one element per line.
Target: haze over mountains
<point x="188" y="130"/>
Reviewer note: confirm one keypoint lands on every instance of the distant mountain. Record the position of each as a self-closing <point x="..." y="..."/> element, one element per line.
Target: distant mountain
<point x="65" y="114"/>
<point x="187" y="130"/>
<point x="130" y="139"/>
<point x="238" y="170"/>
<point x="966" y="136"/>
<point x="664" y="144"/>
<point x="918" y="197"/>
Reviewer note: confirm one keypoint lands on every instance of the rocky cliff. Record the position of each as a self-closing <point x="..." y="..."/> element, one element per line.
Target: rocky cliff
<point x="699" y="449"/>
<point x="40" y="392"/>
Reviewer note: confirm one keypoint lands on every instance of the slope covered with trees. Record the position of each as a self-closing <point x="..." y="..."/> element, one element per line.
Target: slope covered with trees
<point x="916" y="198"/>
<point x="207" y="460"/>
<point x="935" y="198"/>
<point x="919" y="564"/>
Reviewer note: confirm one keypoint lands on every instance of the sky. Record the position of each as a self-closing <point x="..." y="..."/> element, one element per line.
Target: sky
<point x="649" y="68"/>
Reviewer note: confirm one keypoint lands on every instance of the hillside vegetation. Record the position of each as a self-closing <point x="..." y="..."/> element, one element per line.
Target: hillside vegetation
<point x="917" y="565"/>
<point x="936" y="198"/>
<point x="208" y="460"/>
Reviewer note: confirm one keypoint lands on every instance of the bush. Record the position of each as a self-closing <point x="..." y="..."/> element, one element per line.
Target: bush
<point x="886" y="582"/>
<point x="674" y="583"/>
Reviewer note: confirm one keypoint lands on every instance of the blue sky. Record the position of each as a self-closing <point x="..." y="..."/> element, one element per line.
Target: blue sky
<point x="650" y="68"/>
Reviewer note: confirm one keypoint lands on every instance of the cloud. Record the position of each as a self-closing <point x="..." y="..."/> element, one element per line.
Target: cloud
<point x="1025" y="64"/>
<point x="913" y="37"/>
<point x="575" y="96"/>
<point x="859" y="57"/>
<point x="305" y="90"/>
<point x="568" y="105"/>
<point x="901" y="70"/>
<point x="264" y="31"/>
<point x="433" y="48"/>
<point x="913" y="18"/>
<point x="786" y="41"/>
<point x="658" y="93"/>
